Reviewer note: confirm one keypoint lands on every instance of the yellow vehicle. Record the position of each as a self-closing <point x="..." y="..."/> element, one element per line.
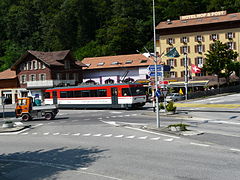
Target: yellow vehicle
<point x="27" y="109"/>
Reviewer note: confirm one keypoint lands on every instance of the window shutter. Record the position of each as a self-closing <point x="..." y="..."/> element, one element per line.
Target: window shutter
<point x="189" y="61"/>
<point x="175" y="74"/>
<point x="181" y="50"/>
<point x="196" y="61"/>
<point x="173" y="40"/>
<point x="168" y="62"/>
<point x="196" y="39"/>
<point x="217" y="36"/>
<point x="167" y="40"/>
<point x="233" y="34"/>
<point x="226" y="35"/>
<point x="195" y="48"/>
<point x="175" y="62"/>
<point x="181" y="62"/>
<point x="203" y="48"/>
<point x="188" y="48"/>
<point x="202" y="38"/>
<point x="181" y="40"/>
<point x="210" y="37"/>
<point x="234" y="45"/>
<point x="187" y="39"/>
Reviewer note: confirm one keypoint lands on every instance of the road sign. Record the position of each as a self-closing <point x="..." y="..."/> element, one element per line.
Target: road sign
<point x="158" y="93"/>
<point x="153" y="74"/>
<point x="152" y="68"/>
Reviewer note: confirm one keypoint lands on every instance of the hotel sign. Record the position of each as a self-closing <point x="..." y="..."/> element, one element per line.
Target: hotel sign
<point x="203" y="15"/>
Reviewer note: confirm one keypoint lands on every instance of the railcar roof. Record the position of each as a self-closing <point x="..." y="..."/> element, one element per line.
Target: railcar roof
<point x="101" y="85"/>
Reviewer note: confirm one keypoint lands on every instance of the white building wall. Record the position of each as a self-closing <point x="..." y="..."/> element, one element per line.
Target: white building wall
<point x="104" y="74"/>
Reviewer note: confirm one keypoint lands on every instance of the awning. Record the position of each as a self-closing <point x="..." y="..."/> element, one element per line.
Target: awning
<point x="190" y="83"/>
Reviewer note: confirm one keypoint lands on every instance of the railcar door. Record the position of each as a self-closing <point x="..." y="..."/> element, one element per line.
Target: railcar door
<point x="55" y="101"/>
<point x="114" y="92"/>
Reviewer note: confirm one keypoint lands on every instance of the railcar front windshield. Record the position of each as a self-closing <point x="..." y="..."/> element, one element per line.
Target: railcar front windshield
<point x="133" y="91"/>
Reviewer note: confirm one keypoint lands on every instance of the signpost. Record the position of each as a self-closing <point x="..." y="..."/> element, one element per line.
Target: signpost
<point x="152" y="74"/>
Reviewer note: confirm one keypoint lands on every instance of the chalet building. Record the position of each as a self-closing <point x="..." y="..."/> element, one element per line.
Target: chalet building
<point x="116" y="69"/>
<point x="37" y="71"/>
<point x="193" y="35"/>
<point x="9" y="87"/>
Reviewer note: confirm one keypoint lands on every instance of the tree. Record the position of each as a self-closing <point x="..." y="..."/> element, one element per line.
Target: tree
<point x="220" y="60"/>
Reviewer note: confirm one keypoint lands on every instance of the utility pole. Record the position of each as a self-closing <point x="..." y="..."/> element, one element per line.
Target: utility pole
<point x="186" y="77"/>
<point x="155" y="63"/>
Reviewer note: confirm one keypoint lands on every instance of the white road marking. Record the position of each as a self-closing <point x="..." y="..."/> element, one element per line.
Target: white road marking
<point x="116" y="112"/>
<point x="233" y="149"/>
<point x="143" y="137"/>
<point x="37" y="125"/>
<point x="66" y="134"/>
<point x="120" y="116"/>
<point x="24" y="133"/>
<point x="153" y="132"/>
<point x="55" y="134"/>
<point x="83" y="169"/>
<point x="86" y="119"/>
<point x="107" y="117"/>
<point x="88" y="134"/>
<point x="100" y="118"/>
<point x="110" y="122"/>
<point x="113" y="116"/>
<point x="108" y="135"/>
<point x="156" y="138"/>
<point x="50" y="122"/>
<point x="76" y="134"/>
<point x="225" y="122"/>
<point x="47" y="133"/>
<point x="169" y="140"/>
<point x="74" y="120"/>
<point x="34" y="133"/>
<point x="198" y="144"/>
<point x="97" y="135"/>
<point x="119" y="136"/>
<point x="127" y="115"/>
<point x="134" y="114"/>
<point x="130" y="137"/>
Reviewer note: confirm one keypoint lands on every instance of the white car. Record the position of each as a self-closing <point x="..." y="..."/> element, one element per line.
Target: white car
<point x="174" y="97"/>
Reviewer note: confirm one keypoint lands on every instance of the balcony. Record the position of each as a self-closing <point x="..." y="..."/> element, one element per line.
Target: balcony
<point x="49" y="83"/>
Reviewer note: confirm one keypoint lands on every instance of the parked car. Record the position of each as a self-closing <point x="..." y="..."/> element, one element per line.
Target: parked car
<point x="174" y="97"/>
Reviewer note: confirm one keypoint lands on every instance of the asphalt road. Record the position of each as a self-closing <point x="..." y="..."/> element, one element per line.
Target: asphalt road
<point x="88" y="144"/>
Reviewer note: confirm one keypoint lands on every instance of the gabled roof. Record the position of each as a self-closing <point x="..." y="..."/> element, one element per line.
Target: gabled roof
<point x="233" y="17"/>
<point x="50" y="58"/>
<point x="8" y="74"/>
<point x="119" y="61"/>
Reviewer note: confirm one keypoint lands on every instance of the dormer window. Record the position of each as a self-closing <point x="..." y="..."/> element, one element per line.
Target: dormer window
<point x="88" y="65"/>
<point x="115" y="63"/>
<point x="129" y="62"/>
<point x="143" y="61"/>
<point x="101" y="64"/>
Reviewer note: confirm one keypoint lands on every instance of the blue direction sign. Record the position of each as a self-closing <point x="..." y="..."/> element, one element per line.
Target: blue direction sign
<point x="153" y="74"/>
<point x="158" y="93"/>
<point x="152" y="68"/>
<point x="159" y="68"/>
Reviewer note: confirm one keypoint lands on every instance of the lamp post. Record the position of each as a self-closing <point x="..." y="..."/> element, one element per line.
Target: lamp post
<point x="155" y="63"/>
<point x="186" y="77"/>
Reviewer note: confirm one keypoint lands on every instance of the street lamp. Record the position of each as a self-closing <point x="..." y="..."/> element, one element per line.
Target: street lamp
<point x="155" y="63"/>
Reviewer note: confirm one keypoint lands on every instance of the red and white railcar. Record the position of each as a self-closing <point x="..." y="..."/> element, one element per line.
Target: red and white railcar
<point x="131" y="95"/>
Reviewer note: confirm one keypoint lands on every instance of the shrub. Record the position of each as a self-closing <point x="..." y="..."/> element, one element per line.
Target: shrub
<point x="170" y="106"/>
<point x="182" y="127"/>
<point x="161" y="106"/>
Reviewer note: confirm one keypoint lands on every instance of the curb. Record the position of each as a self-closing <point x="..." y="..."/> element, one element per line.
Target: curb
<point x="177" y="115"/>
<point x="14" y="129"/>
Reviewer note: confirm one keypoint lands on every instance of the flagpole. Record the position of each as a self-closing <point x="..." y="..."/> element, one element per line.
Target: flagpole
<point x="186" y="77"/>
<point x="155" y="63"/>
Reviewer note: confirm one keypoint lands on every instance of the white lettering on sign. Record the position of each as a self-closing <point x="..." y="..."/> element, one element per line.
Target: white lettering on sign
<point x="203" y="15"/>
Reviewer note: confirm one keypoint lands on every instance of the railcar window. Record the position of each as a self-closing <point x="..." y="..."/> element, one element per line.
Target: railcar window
<point x="70" y="94"/>
<point x="126" y="92"/>
<point x="63" y="94"/>
<point x="93" y="93"/>
<point x="78" y="94"/>
<point x="102" y="92"/>
<point x="135" y="91"/>
<point x="85" y="93"/>
<point x="47" y="95"/>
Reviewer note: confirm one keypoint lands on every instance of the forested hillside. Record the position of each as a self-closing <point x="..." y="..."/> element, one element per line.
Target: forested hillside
<point x="89" y="27"/>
